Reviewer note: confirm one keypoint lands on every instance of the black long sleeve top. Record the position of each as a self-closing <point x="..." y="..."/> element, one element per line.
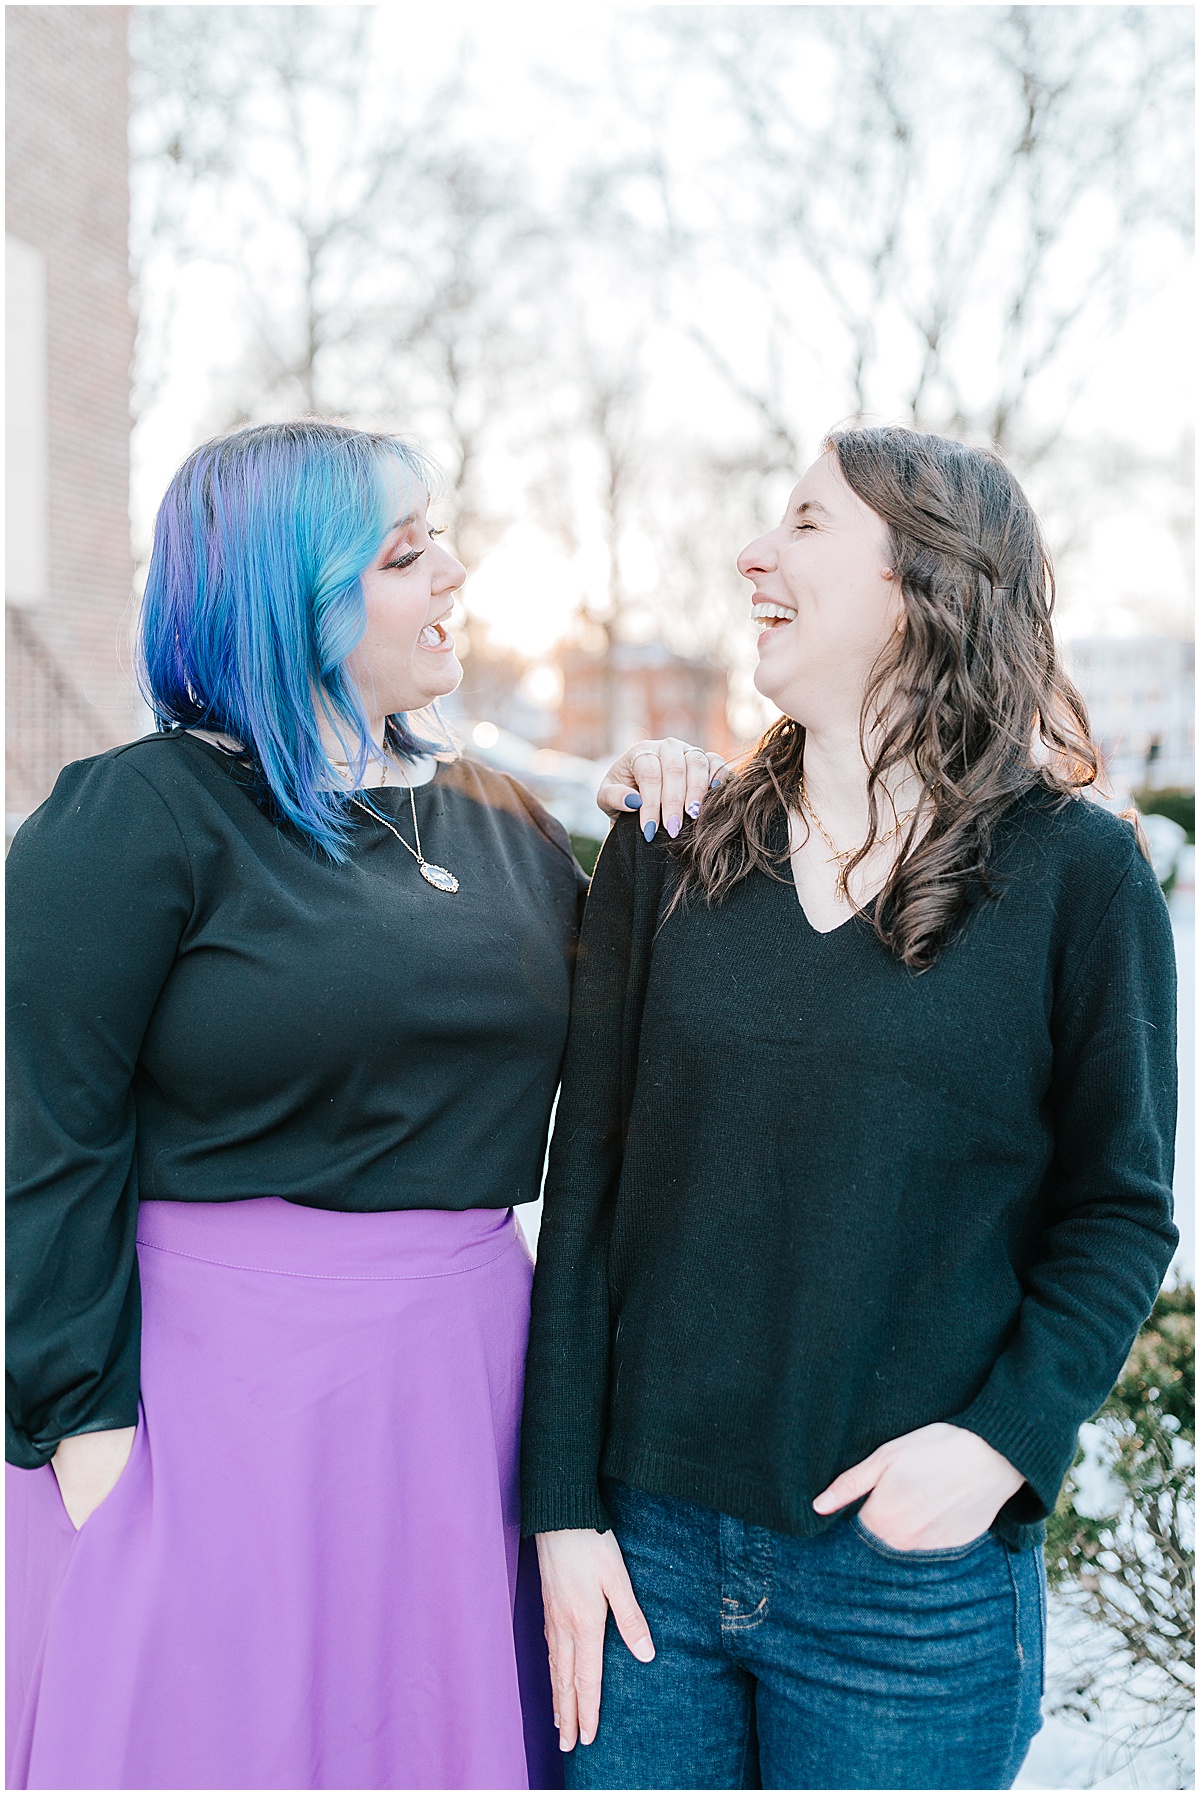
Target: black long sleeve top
<point x="802" y="1200"/>
<point x="203" y="1009"/>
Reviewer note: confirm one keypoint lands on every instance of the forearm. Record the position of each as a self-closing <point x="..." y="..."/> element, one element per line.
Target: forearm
<point x="99" y="891"/>
<point x="1106" y="1235"/>
<point x="77" y="1372"/>
<point x="566" y="1389"/>
<point x="1085" y="1300"/>
<point x="566" y="1386"/>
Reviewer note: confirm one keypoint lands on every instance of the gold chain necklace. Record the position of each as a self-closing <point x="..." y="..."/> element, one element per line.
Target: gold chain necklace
<point x="383" y="775"/>
<point x="437" y="876"/>
<point x="843" y="856"/>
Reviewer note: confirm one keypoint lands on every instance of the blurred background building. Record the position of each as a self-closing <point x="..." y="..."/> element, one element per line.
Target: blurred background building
<point x="635" y="689"/>
<point x="1140" y="692"/>
<point x="68" y="558"/>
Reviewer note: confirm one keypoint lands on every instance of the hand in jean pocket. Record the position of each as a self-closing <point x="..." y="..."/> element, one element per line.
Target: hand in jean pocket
<point x="937" y="1487"/>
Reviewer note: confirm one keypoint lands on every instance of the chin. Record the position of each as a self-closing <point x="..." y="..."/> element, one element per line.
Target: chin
<point x="779" y="692"/>
<point x="765" y="683"/>
<point x="447" y="680"/>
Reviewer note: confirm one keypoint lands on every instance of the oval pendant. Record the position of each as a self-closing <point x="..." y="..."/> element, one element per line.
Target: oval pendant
<point x="438" y="876"/>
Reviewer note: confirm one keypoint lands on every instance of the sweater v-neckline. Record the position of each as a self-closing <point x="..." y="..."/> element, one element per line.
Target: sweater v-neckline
<point x="784" y="845"/>
<point x="810" y="925"/>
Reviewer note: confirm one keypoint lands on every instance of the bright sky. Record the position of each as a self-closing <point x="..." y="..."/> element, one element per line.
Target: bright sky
<point x="1126" y="573"/>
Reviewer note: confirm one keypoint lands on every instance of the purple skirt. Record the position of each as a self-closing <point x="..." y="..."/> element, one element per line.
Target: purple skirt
<point x="308" y="1575"/>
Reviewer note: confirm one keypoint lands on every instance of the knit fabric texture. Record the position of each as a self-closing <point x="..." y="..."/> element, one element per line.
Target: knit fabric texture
<point x="802" y="1200"/>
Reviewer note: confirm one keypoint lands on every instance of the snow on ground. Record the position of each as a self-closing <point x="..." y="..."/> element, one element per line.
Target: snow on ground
<point x="1069" y="1755"/>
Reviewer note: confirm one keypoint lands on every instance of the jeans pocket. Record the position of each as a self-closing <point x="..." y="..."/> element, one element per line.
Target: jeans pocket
<point x="917" y="1555"/>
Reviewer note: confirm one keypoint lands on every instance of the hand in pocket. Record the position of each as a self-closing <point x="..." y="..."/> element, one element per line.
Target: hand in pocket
<point x="88" y="1466"/>
<point x="935" y="1488"/>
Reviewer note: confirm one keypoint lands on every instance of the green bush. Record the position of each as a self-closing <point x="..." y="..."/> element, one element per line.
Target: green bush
<point x="1172" y="801"/>
<point x="1132" y="1568"/>
<point x="585" y="849"/>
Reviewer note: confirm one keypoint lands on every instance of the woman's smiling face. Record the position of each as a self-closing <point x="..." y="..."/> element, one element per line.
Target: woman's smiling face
<point x="406" y="657"/>
<point x="825" y="598"/>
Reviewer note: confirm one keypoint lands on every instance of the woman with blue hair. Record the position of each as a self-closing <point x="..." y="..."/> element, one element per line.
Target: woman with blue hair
<point x="289" y="996"/>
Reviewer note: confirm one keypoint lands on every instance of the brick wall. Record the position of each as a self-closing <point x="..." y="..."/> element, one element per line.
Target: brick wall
<point x="70" y="689"/>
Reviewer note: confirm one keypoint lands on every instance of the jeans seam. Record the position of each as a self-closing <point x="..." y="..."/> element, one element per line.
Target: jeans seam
<point x="745" y="1623"/>
<point x="742" y="1622"/>
<point x="1018" y="1706"/>
<point x="1043" y="1622"/>
<point x="751" y="1724"/>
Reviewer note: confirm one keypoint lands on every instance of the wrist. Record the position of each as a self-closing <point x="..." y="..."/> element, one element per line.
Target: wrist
<point x="1000" y="1471"/>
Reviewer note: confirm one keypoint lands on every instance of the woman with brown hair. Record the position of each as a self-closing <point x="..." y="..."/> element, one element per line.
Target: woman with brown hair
<point x="861" y="1183"/>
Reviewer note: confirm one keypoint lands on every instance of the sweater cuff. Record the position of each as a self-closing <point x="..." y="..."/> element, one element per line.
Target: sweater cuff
<point x="28" y="1454"/>
<point x="567" y="1505"/>
<point x="1042" y="1461"/>
<point x="21" y="1451"/>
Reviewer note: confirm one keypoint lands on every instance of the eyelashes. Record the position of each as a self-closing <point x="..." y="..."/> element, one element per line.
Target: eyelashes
<point x="414" y="554"/>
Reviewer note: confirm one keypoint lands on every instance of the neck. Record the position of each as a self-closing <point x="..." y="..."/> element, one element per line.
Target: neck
<point x="836" y="777"/>
<point x="335" y="748"/>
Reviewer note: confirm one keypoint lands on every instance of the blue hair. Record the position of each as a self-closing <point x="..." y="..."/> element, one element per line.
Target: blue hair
<point x="254" y="601"/>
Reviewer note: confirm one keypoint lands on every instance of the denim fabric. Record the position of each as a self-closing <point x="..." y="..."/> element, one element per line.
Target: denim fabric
<point x="834" y="1662"/>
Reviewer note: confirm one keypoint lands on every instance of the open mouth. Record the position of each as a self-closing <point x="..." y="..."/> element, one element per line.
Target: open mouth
<point x="769" y="615"/>
<point x="435" y="635"/>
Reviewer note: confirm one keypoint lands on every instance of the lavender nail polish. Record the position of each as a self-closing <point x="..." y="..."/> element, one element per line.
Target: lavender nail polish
<point x="673" y="826"/>
<point x="648" y="830"/>
<point x="693" y="810"/>
<point x="633" y="800"/>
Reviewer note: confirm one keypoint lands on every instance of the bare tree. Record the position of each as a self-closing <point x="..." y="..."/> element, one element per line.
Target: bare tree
<point x="973" y="209"/>
<point x="377" y="256"/>
<point x="756" y="219"/>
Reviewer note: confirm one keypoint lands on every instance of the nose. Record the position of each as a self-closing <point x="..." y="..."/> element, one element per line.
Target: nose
<point x="448" y="574"/>
<point x="757" y="557"/>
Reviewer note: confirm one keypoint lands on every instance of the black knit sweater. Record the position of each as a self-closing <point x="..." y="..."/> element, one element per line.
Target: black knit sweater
<point x="802" y="1200"/>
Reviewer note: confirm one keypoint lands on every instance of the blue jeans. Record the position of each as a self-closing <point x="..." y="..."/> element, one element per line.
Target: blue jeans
<point x="827" y="1663"/>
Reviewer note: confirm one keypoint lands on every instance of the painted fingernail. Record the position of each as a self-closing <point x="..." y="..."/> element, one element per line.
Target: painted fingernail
<point x="633" y="800"/>
<point x="673" y="826"/>
<point x="714" y="782"/>
<point x="648" y="830"/>
<point x="585" y="1738"/>
<point x="693" y="810"/>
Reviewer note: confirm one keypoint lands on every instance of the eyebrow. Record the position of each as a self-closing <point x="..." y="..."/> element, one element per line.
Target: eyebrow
<point x="811" y="505"/>
<point x="402" y="523"/>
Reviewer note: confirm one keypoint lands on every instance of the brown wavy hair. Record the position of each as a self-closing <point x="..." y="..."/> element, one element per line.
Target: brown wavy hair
<point x="970" y="694"/>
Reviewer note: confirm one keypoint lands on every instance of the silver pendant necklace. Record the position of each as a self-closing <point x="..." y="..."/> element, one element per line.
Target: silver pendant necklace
<point x="437" y="876"/>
